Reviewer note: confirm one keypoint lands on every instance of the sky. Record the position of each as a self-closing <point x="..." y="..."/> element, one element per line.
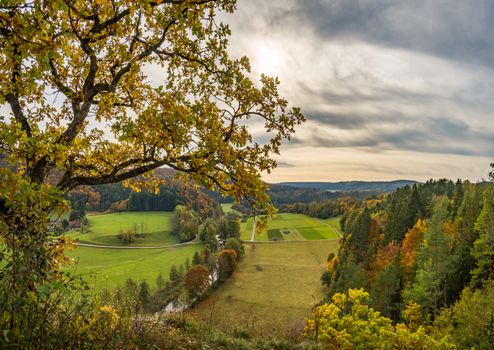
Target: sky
<point x="391" y="89"/>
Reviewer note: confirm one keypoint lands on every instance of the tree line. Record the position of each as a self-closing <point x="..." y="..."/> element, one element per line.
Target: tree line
<point x="116" y="197"/>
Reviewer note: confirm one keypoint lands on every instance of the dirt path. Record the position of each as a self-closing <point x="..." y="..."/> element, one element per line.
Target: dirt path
<point x="133" y="247"/>
<point x="252" y="237"/>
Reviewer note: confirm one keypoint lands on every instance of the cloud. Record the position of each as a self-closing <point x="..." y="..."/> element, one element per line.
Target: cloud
<point x="434" y="135"/>
<point x="282" y="164"/>
<point x="379" y="76"/>
<point x="453" y="29"/>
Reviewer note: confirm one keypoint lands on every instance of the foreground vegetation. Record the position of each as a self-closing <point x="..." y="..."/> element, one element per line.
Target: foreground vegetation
<point x="272" y="291"/>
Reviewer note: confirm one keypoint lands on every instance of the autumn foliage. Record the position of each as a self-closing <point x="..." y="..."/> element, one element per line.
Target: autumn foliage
<point x="227" y="261"/>
<point x="197" y="281"/>
<point x="411" y="245"/>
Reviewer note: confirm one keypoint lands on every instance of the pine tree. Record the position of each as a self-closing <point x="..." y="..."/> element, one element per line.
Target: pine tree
<point x="160" y="282"/>
<point x="360" y="235"/>
<point x="483" y="249"/>
<point x="144" y="293"/>
<point x="428" y="287"/>
<point x="457" y="198"/>
<point x="196" y="259"/>
<point x="350" y="275"/>
<point x="175" y="275"/>
<point x="385" y="291"/>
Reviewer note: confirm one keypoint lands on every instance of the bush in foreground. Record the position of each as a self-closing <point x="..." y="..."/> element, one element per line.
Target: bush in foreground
<point x="349" y="323"/>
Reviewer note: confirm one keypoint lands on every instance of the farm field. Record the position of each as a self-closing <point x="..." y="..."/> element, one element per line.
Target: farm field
<point x="104" y="228"/>
<point x="293" y="227"/>
<point x="272" y="290"/>
<point x="111" y="267"/>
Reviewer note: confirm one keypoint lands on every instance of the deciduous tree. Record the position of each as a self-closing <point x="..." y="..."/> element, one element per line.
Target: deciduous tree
<point x="197" y="281"/>
<point x="227" y="261"/>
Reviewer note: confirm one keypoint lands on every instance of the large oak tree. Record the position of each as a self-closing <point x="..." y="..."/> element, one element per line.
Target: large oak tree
<point x="102" y="91"/>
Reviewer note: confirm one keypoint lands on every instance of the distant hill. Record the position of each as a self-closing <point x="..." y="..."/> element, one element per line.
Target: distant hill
<point x="345" y="186"/>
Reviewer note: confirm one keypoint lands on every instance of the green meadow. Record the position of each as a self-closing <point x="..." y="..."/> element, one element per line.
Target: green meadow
<point x="104" y="228"/>
<point x="106" y="267"/>
<point x="292" y="227"/>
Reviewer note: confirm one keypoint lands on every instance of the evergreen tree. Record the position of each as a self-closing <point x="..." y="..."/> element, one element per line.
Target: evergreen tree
<point x="130" y="288"/>
<point x="433" y="264"/>
<point x="196" y="259"/>
<point x="160" y="282"/>
<point x="461" y="259"/>
<point x="457" y="198"/>
<point x="350" y="275"/>
<point x="385" y="291"/>
<point x="360" y="234"/>
<point x="144" y="293"/>
<point x="483" y="249"/>
<point x="175" y="275"/>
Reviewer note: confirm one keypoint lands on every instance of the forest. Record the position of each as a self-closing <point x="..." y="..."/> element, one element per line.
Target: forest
<point x="425" y="256"/>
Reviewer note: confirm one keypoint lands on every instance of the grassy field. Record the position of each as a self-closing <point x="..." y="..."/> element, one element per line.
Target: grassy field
<point x="110" y="267"/>
<point x="105" y="267"/>
<point x="293" y="227"/>
<point x="104" y="228"/>
<point x="272" y="290"/>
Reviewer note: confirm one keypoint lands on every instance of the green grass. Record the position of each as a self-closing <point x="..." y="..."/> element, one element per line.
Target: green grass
<point x="104" y="228"/>
<point x="299" y="226"/>
<point x="246" y="229"/>
<point x="227" y="208"/>
<point x="111" y="267"/>
<point x="275" y="235"/>
<point x="333" y="222"/>
<point x="272" y="290"/>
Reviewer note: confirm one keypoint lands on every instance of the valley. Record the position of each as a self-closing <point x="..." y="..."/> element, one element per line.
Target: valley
<point x="272" y="291"/>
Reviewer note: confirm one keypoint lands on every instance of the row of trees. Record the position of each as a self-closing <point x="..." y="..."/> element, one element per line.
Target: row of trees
<point x="116" y="197"/>
<point x="323" y="209"/>
<point x="430" y="245"/>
